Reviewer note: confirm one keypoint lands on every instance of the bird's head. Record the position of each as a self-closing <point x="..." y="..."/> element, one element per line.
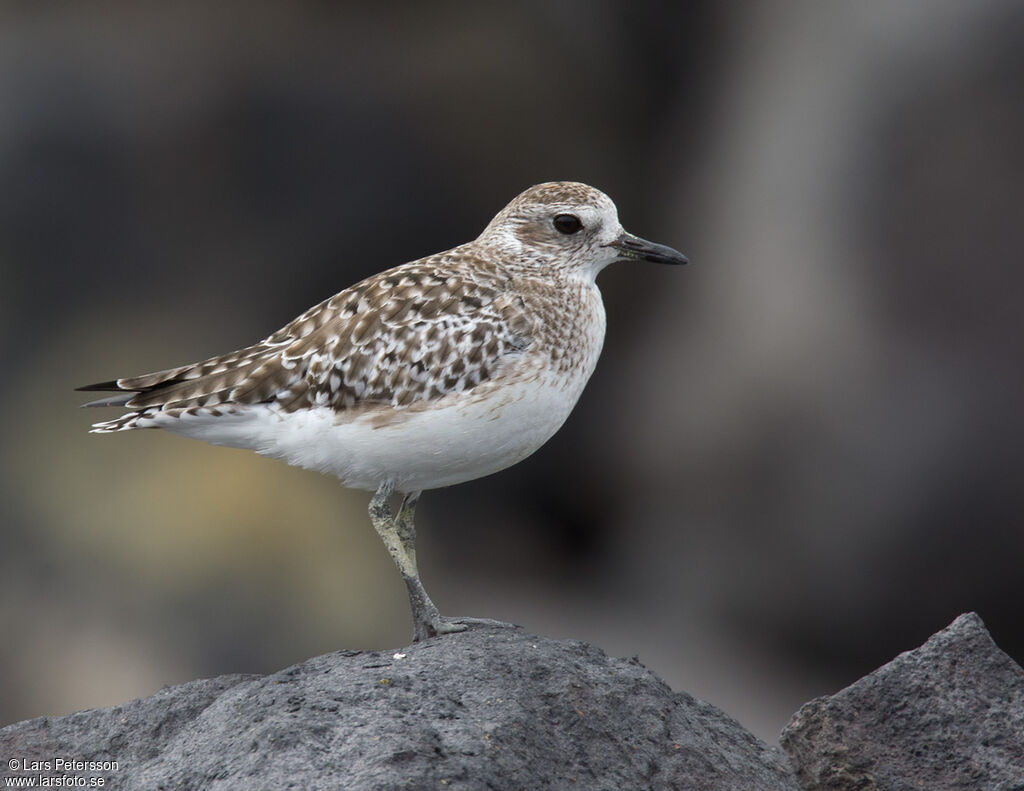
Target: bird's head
<point x="571" y="227"/>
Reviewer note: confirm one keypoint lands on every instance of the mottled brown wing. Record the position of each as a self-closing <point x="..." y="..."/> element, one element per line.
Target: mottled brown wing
<point x="413" y="333"/>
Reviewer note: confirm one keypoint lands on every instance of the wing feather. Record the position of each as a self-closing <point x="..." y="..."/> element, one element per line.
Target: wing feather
<point x="413" y="333"/>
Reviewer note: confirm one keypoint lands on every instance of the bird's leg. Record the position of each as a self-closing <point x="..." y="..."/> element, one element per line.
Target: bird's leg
<point x="399" y="536"/>
<point x="426" y="619"/>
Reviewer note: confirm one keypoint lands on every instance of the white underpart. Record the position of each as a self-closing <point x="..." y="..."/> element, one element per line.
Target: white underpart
<point x="459" y="438"/>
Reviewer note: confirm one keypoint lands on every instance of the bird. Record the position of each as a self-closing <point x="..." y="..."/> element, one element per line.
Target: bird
<point x="435" y="372"/>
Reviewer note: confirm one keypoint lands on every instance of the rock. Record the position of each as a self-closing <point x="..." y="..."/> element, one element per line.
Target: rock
<point x="487" y="709"/>
<point x="948" y="715"/>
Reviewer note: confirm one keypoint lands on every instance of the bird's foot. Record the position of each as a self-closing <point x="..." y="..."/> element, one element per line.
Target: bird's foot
<point x="441" y="624"/>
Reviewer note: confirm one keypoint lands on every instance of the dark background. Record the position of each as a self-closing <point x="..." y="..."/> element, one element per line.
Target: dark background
<point x="799" y="455"/>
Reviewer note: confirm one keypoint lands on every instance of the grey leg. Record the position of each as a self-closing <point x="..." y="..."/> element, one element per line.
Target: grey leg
<point x="399" y="536"/>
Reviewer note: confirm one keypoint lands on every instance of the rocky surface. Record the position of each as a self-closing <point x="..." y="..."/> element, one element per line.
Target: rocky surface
<point x="489" y="709"/>
<point x="502" y="709"/>
<point x="948" y="715"/>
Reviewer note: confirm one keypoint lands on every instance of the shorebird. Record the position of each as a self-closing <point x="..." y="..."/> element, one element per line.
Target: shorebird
<point x="435" y="372"/>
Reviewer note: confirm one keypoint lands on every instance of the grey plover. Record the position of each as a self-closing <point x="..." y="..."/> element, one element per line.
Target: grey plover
<point x="435" y="372"/>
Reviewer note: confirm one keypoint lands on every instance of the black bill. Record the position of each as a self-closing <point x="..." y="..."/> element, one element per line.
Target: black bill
<point x="634" y="248"/>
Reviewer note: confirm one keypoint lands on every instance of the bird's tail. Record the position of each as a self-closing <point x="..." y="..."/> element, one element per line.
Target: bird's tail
<point x="123" y="423"/>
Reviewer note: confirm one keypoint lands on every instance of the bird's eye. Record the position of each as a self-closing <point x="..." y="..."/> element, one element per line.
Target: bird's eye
<point x="567" y="223"/>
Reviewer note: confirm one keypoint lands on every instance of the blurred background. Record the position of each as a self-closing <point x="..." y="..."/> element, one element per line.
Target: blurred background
<point x="799" y="455"/>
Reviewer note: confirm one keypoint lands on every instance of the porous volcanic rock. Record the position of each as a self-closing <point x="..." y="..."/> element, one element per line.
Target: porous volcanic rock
<point x="486" y="709"/>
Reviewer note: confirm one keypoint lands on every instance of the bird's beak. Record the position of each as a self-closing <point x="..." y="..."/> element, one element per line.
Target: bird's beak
<point x="637" y="249"/>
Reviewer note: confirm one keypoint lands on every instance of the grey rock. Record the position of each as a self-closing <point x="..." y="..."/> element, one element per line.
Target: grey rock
<point x="946" y="716"/>
<point x="487" y="709"/>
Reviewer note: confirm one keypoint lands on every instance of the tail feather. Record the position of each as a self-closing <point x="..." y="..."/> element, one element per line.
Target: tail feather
<point x="123" y="423"/>
<point x="133" y="385"/>
<point x="122" y="391"/>
<point x="159" y="379"/>
<point x="196" y="390"/>
<point x="112" y="400"/>
<point x="111" y="385"/>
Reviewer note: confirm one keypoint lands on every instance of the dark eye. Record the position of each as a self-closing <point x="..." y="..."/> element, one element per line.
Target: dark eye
<point x="567" y="223"/>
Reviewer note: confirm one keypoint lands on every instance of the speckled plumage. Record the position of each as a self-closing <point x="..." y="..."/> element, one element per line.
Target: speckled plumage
<point x="415" y="333"/>
<point x="429" y="374"/>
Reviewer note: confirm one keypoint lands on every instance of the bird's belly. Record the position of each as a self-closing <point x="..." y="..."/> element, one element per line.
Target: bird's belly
<point x="454" y="442"/>
<point x="454" y="439"/>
